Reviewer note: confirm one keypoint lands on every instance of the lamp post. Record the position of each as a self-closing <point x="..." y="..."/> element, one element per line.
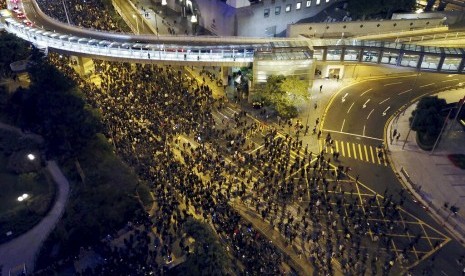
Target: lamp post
<point x="137" y="23"/>
<point x="164" y="3"/>
<point x="194" y="23"/>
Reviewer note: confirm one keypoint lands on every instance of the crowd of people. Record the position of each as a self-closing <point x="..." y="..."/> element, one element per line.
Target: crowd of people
<point x="87" y="14"/>
<point x="145" y="109"/>
<point x="198" y="161"/>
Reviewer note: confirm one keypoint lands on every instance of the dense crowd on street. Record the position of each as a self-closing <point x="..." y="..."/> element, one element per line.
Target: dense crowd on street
<point x="87" y="14"/>
<point x="145" y="108"/>
<point x="169" y="129"/>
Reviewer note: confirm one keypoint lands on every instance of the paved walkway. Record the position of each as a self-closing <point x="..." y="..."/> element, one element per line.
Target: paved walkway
<point x="432" y="178"/>
<point x="25" y="248"/>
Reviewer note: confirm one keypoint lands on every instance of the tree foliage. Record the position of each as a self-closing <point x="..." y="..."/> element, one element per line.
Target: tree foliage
<point x="55" y="108"/>
<point x="368" y="8"/>
<point x="282" y="93"/>
<point x="427" y="119"/>
<point x="209" y="257"/>
<point x="12" y="49"/>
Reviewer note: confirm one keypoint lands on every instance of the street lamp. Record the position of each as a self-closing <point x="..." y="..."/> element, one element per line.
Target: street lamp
<point x="23" y="197"/>
<point x="137" y="23"/>
<point x="194" y="23"/>
<point x="164" y="3"/>
<point x="31" y="157"/>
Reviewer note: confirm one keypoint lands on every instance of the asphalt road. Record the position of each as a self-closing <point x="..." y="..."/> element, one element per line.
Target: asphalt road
<point x="356" y="117"/>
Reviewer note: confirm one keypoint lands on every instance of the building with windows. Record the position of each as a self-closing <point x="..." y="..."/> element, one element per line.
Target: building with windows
<point x="254" y="18"/>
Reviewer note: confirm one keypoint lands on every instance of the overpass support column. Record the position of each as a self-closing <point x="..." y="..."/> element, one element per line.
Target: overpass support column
<point x="420" y="60"/>
<point x="380" y="55"/>
<point x="462" y="64"/>
<point x="343" y="53"/>
<point x="224" y="74"/>
<point x="441" y="62"/>
<point x="399" y="60"/>
<point x="82" y="65"/>
<point x="360" y="55"/>
<point x="325" y="53"/>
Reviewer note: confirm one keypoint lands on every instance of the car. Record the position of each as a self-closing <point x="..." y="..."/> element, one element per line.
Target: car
<point x="27" y="22"/>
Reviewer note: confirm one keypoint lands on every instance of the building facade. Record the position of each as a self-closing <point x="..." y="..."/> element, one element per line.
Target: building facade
<point x="264" y="18"/>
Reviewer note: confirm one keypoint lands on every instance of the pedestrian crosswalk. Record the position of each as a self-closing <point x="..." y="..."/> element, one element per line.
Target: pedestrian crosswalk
<point x="367" y="153"/>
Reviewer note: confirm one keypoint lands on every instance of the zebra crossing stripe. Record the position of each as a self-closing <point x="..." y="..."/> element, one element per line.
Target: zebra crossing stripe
<point x="366" y="153"/>
<point x="360" y="151"/>
<point x="342" y="149"/>
<point x="348" y="149"/>
<point x="355" y="151"/>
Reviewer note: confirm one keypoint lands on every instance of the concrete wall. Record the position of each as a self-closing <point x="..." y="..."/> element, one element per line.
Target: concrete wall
<point x="452" y="17"/>
<point x="355" y="28"/>
<point x="222" y="19"/>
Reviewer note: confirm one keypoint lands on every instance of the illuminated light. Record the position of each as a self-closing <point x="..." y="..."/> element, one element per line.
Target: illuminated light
<point x="31" y="156"/>
<point x="164" y="3"/>
<point x="194" y="19"/>
<point x="419" y="11"/>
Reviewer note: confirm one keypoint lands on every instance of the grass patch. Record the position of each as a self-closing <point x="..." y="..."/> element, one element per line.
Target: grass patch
<point x="15" y="216"/>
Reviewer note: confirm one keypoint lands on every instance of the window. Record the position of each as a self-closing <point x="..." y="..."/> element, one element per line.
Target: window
<point x="288" y="7"/>
<point x="308" y="3"/>
<point x="277" y="10"/>
<point x="317" y="2"/>
<point x="266" y="13"/>
<point x="298" y="5"/>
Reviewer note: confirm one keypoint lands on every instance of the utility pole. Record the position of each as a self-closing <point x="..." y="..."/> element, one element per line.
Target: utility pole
<point x="440" y="133"/>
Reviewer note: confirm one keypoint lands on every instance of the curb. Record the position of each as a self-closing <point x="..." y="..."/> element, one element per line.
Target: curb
<point x="407" y="183"/>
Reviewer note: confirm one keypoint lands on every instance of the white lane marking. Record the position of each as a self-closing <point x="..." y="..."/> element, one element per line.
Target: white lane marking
<point x="384" y="100"/>
<point x="384" y="112"/>
<point x="366" y="92"/>
<point x="364" y="130"/>
<point x="393" y="83"/>
<point x="343" y="122"/>
<point x="224" y="115"/>
<point x="352" y="134"/>
<point x="350" y="107"/>
<point x="427" y="85"/>
<point x="450" y="80"/>
<point x="405" y="91"/>
<point x="370" y="113"/>
<point x="365" y="104"/>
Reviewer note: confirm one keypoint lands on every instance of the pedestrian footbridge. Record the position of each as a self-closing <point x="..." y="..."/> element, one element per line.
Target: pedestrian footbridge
<point x="267" y="54"/>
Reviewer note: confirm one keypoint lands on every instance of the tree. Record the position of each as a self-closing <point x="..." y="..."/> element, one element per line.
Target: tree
<point x="209" y="257"/>
<point x="55" y="108"/>
<point x="282" y="93"/>
<point x="12" y="49"/>
<point x="428" y="119"/>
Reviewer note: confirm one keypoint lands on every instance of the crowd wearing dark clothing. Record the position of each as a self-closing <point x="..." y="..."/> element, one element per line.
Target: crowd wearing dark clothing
<point x="91" y="14"/>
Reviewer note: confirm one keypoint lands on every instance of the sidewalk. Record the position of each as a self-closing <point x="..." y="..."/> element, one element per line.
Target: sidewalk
<point x="431" y="178"/>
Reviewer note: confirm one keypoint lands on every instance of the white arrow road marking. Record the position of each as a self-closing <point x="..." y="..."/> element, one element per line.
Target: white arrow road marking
<point x="405" y="91"/>
<point x="384" y="100"/>
<point x="350" y="107"/>
<point x="366" y="92"/>
<point x="344" y="98"/>
<point x="370" y="113"/>
<point x="343" y="122"/>
<point x="384" y="112"/>
<point x="365" y="104"/>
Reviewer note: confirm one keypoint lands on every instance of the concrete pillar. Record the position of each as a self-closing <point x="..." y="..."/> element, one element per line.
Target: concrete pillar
<point x="325" y="53"/>
<point x="441" y="62"/>
<point x="343" y="52"/>
<point x="442" y="5"/>
<point x="360" y="55"/>
<point x="380" y="55"/>
<point x="462" y="64"/>
<point x="420" y="60"/>
<point x="399" y="59"/>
